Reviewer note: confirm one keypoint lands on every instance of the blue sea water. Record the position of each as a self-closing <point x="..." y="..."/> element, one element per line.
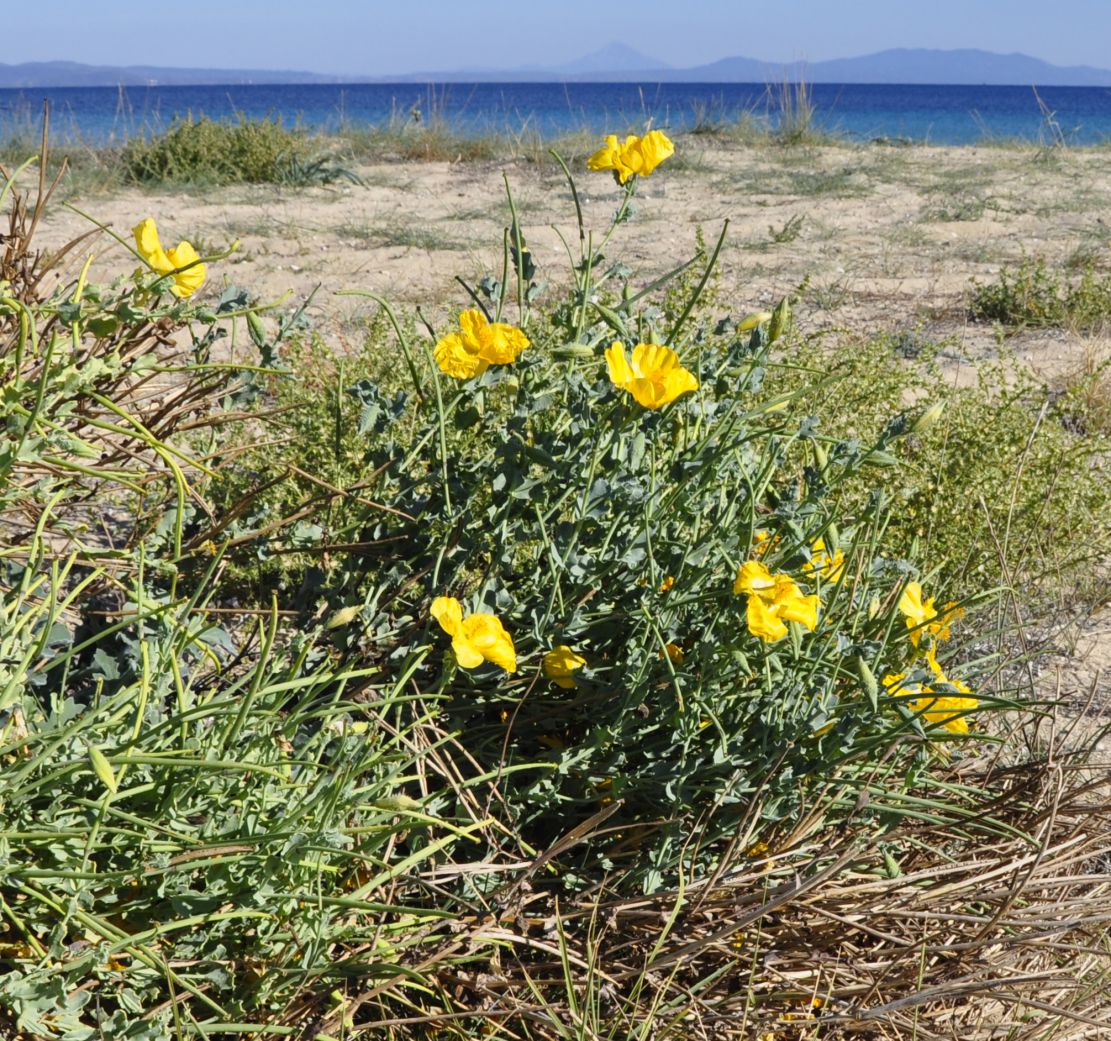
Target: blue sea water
<point x="936" y="114"/>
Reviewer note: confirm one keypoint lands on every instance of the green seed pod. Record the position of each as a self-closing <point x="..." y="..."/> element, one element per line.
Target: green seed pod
<point x="103" y="769"/>
<point x="868" y="682"/>
<point x="398" y="803"/>
<point x="879" y="458"/>
<point x="256" y="329"/>
<point x="573" y="350"/>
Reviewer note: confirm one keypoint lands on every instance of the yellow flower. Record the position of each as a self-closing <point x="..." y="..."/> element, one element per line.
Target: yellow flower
<point x="922" y="615"/>
<point x="773" y="600"/>
<point x="667" y="584"/>
<point x="559" y="664"/>
<point x="478" y="345"/>
<point x="170" y="261"/>
<point x="916" y="611"/>
<point x="476" y="638"/>
<point x="947" y="711"/>
<point x="939" y="709"/>
<point x="655" y="378"/>
<point x="674" y="652"/>
<point x="823" y="564"/>
<point x="637" y="157"/>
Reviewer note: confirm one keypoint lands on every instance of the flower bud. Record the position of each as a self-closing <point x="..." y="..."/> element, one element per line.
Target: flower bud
<point x="928" y="418"/>
<point x="780" y="320"/>
<point x="753" y="320"/>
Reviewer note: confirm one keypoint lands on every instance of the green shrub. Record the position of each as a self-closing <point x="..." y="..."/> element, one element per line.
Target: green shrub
<point x="542" y="494"/>
<point x="207" y="152"/>
<point x="1009" y="485"/>
<point x="1029" y="293"/>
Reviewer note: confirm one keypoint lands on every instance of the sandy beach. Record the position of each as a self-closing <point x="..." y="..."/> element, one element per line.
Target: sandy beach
<point x="890" y="237"/>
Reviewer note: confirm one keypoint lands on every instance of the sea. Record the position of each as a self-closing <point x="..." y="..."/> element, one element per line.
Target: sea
<point x="943" y="115"/>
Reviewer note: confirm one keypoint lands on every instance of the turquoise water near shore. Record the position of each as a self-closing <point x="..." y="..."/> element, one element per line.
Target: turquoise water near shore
<point x="936" y="114"/>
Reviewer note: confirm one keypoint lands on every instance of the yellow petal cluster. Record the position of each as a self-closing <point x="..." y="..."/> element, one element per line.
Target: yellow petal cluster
<point x="559" y="666"/>
<point x="823" y="564"/>
<point x="773" y="600"/>
<point x="937" y="708"/>
<point x="654" y="377"/>
<point x="477" y="638"/>
<point x="636" y="157"/>
<point x="181" y="261"/>
<point x="921" y="615"/>
<point x="478" y="345"/>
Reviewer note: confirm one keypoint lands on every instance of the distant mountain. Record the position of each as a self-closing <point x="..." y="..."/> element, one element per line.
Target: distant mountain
<point x="903" y="65"/>
<point x="619" y="64"/>
<point x="614" y="57"/>
<point x="36" y="74"/>
<point x="615" y="63"/>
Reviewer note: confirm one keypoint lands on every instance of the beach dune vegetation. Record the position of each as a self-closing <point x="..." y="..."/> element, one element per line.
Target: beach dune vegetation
<point x="594" y="697"/>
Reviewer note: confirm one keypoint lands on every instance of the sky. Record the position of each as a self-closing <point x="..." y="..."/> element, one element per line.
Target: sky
<point x="384" y="37"/>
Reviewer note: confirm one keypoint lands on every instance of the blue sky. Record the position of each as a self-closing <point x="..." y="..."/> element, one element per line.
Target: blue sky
<point x="380" y="37"/>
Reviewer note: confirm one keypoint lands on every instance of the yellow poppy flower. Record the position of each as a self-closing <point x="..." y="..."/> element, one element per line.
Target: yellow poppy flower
<point x="610" y="157"/>
<point x="654" y="378"/>
<point x="773" y="600"/>
<point x="939" y="709"/>
<point x="560" y="663"/>
<point x="921" y="615"/>
<point x="170" y="261"/>
<point x="477" y="638"/>
<point x="636" y="157"/>
<point x="916" y="611"/>
<point x="478" y="345"/>
<point x="829" y="567"/>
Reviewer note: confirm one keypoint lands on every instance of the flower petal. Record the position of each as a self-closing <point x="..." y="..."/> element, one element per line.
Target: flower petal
<point x="502" y="344"/>
<point x="763" y="621"/>
<point x="753" y="577"/>
<point x="487" y="635"/>
<point x="620" y="373"/>
<point x="448" y="612"/>
<point x="189" y="280"/>
<point x="454" y="359"/>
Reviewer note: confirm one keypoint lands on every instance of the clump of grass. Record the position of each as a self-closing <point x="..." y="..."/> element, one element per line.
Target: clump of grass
<point x="790" y="230"/>
<point x="207" y="152"/>
<point x="960" y="208"/>
<point x="1030" y="293"/>
<point x="794" y="118"/>
<point x="427" y="142"/>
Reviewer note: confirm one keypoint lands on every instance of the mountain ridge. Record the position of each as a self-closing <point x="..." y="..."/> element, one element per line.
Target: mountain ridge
<point x="614" y="63"/>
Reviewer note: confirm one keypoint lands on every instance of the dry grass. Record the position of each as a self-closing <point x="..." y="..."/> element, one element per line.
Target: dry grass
<point x="986" y="922"/>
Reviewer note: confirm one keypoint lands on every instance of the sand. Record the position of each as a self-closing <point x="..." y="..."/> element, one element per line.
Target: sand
<point x="890" y="236"/>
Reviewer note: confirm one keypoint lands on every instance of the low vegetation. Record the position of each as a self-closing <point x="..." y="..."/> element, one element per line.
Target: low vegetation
<point x="1031" y="293"/>
<point x="594" y="665"/>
